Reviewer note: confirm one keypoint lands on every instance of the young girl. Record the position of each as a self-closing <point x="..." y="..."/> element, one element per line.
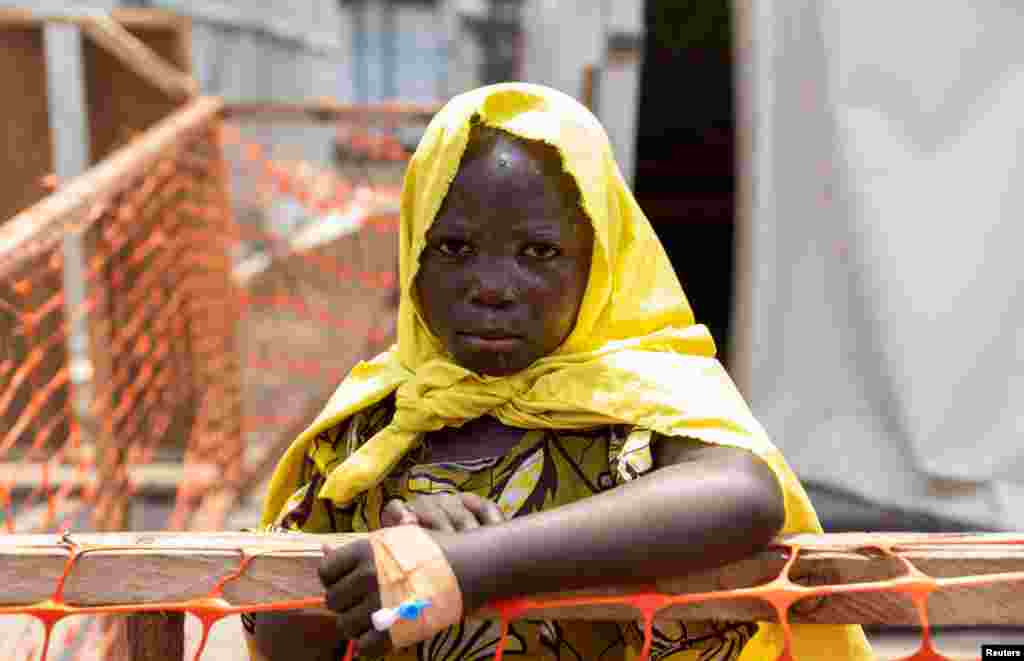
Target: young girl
<point x="551" y="418"/>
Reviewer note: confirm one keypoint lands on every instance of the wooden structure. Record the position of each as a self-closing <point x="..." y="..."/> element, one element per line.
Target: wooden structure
<point x="92" y="203"/>
<point x="119" y="63"/>
<point x="976" y="580"/>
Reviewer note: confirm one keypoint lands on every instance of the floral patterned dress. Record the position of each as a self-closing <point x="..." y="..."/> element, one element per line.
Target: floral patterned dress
<point x="546" y="469"/>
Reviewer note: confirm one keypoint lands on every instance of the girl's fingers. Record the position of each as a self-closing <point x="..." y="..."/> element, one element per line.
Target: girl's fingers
<point x="460" y="517"/>
<point x="397" y="513"/>
<point x="447" y="512"/>
<point x="355" y="621"/>
<point x="341" y="560"/>
<point x="486" y="511"/>
<point x="431" y="516"/>
<point x="352" y="588"/>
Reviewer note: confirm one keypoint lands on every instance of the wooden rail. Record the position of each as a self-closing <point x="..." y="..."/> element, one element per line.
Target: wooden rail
<point x="177" y="568"/>
<point x="329" y="110"/>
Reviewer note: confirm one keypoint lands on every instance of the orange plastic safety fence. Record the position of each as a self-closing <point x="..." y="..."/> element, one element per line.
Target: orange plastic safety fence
<point x="154" y="230"/>
<point x="319" y="296"/>
<point x="162" y="310"/>
<point x="780" y="594"/>
<point x="37" y="428"/>
<point x="179" y="232"/>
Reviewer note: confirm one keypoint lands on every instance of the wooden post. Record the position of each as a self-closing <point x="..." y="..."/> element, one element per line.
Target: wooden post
<point x="150" y="637"/>
<point x="587" y="91"/>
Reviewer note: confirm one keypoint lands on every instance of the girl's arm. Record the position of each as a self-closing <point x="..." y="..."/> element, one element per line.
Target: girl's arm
<point x="703" y="507"/>
<point x="312" y="635"/>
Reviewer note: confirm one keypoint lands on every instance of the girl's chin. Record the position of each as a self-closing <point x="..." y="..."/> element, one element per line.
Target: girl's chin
<point x="492" y="363"/>
<point x="493" y="368"/>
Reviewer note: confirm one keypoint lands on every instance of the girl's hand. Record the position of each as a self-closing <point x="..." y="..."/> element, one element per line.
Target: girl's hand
<point x="443" y="512"/>
<point x="349" y="576"/>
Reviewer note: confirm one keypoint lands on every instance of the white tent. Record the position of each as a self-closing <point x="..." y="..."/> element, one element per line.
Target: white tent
<point x="884" y="347"/>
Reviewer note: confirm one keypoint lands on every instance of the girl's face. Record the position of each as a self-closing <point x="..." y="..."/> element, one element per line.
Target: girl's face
<point x="507" y="258"/>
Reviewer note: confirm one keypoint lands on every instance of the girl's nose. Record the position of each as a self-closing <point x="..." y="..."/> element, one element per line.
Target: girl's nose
<point x="492" y="290"/>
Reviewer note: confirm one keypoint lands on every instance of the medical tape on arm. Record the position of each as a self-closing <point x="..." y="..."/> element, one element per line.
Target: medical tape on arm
<point x="410" y="565"/>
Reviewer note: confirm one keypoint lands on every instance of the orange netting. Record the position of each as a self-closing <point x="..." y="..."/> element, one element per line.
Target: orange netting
<point x="154" y="229"/>
<point x="317" y="264"/>
<point x="781" y="595"/>
<point x="195" y="354"/>
<point x="172" y="330"/>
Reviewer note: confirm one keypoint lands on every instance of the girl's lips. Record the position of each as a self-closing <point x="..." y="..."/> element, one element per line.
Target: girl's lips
<point x="491" y="343"/>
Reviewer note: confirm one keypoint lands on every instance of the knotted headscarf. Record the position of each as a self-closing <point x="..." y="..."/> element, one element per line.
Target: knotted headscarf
<point x="634" y="356"/>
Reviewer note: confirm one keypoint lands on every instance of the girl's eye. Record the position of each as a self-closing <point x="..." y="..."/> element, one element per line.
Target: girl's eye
<point x="453" y="248"/>
<point x="541" y="251"/>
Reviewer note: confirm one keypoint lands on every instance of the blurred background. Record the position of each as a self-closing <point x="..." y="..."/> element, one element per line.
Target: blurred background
<point x="833" y="181"/>
<point x="814" y="158"/>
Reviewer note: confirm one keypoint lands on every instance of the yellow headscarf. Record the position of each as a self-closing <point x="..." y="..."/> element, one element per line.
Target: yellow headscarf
<point x="634" y="356"/>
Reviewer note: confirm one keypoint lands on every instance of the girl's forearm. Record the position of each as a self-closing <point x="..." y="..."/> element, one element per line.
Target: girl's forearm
<point x="679" y="519"/>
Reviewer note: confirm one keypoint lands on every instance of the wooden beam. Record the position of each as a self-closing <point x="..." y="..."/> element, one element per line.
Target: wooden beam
<point x="106" y="30"/>
<point x="141" y="104"/>
<point x="146" y="18"/>
<point x="329" y="110"/>
<point x="40" y="227"/>
<point x="174" y="568"/>
<point x="138" y="57"/>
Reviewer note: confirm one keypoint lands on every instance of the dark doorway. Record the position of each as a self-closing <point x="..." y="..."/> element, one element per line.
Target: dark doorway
<point x="685" y="159"/>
